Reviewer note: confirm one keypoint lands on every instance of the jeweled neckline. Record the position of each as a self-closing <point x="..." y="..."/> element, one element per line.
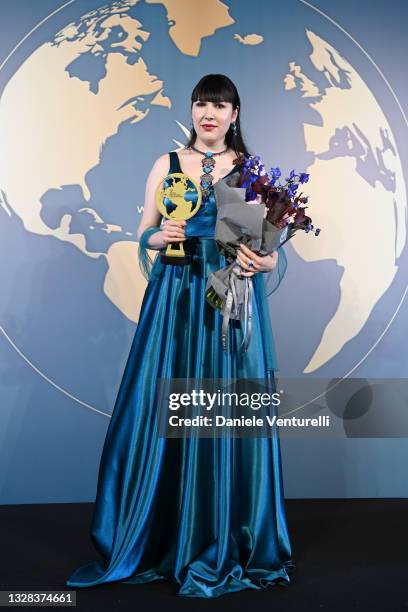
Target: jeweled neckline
<point x="220" y="179"/>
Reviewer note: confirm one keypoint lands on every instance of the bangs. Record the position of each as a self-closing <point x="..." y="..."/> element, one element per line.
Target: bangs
<point x="213" y="88"/>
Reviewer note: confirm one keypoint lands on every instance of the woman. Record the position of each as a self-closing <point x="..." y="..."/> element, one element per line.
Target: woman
<point x="205" y="513"/>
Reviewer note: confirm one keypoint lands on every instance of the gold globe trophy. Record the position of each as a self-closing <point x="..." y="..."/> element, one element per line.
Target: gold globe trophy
<point x="179" y="197"/>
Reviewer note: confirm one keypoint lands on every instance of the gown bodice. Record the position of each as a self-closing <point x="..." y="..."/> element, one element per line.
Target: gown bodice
<point x="203" y="223"/>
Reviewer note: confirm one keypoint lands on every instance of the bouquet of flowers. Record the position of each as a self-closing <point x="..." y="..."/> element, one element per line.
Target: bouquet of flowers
<point x="256" y="210"/>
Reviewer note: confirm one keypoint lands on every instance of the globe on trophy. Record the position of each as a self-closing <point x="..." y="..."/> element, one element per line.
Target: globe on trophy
<point x="179" y="197"/>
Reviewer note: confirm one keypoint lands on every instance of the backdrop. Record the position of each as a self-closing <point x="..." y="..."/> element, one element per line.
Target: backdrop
<point x="92" y="92"/>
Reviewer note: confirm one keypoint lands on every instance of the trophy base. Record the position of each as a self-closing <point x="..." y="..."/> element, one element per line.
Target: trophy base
<point x="175" y="260"/>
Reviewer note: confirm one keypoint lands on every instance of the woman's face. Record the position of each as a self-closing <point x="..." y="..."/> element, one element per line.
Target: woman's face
<point x="217" y="114"/>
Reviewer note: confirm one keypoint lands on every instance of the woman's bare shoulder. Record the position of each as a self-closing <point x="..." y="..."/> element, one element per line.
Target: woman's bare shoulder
<point x="183" y="152"/>
<point x="162" y="162"/>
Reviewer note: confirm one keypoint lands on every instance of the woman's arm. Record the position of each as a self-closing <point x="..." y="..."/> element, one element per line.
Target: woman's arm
<point x="173" y="231"/>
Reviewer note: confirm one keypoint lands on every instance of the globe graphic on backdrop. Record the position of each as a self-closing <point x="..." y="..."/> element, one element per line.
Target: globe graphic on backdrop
<point x="101" y="91"/>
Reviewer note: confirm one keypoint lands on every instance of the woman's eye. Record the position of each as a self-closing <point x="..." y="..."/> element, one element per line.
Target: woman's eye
<point x="220" y="104"/>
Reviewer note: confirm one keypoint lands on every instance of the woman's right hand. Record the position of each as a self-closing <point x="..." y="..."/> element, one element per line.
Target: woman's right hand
<point x="174" y="231"/>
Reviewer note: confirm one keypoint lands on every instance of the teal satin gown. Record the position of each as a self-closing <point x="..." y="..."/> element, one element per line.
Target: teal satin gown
<point x="205" y="513"/>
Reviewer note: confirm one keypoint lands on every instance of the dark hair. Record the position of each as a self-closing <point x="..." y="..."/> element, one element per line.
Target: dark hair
<point x="219" y="88"/>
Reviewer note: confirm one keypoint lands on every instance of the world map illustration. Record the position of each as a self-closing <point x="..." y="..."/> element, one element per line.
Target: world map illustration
<point x="98" y="99"/>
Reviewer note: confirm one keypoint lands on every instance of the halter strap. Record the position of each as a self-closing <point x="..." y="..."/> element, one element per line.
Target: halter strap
<point x="174" y="162"/>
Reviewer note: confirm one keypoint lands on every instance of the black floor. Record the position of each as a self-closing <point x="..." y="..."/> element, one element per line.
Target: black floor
<point x="349" y="555"/>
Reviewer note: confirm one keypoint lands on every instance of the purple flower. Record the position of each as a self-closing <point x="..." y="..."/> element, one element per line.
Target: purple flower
<point x="280" y="197"/>
<point x="276" y="173"/>
<point x="292" y="190"/>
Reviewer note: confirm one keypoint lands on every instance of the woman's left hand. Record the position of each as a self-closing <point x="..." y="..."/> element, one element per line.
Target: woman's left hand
<point x="260" y="263"/>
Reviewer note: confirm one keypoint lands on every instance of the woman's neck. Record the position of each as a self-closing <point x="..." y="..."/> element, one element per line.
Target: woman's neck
<point x="215" y="146"/>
